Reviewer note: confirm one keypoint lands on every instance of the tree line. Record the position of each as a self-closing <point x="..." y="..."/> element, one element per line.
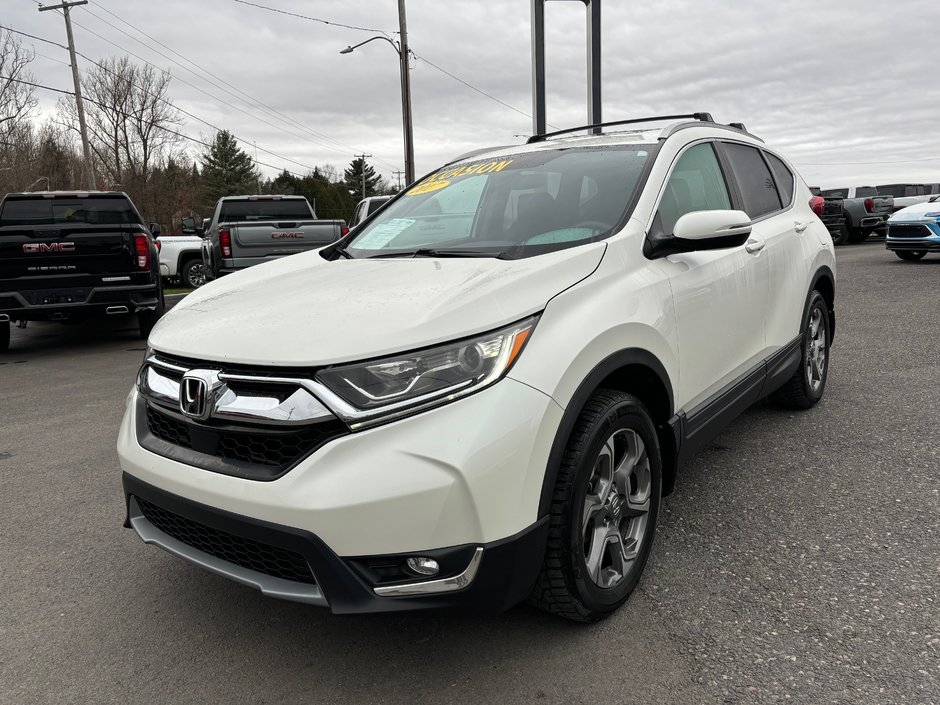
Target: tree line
<point x="138" y="146"/>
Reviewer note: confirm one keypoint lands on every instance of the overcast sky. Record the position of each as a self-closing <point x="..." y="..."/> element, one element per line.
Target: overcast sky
<point x="849" y="90"/>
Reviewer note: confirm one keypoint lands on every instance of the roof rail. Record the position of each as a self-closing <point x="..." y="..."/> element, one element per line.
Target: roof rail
<point x="703" y="117"/>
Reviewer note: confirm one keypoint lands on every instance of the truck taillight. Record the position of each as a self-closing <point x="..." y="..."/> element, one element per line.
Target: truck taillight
<point x="142" y="249"/>
<point x="225" y="243"/>
<point x="869" y="205"/>
<point x="343" y="231"/>
<point x="817" y="203"/>
<point x="158" y="244"/>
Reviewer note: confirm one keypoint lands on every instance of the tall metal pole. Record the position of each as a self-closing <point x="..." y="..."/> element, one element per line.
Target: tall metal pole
<point x="403" y="55"/>
<point x="86" y="146"/>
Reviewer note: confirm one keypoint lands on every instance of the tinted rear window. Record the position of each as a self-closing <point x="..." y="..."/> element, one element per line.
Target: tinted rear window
<point x="283" y="209"/>
<point x="833" y="192"/>
<point x="783" y="176"/>
<point x="26" y="212"/>
<point x="896" y="190"/>
<point x="866" y="192"/>
<point x="757" y="186"/>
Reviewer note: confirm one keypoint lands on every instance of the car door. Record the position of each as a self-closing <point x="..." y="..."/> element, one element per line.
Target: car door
<point x="766" y="187"/>
<point x="719" y="295"/>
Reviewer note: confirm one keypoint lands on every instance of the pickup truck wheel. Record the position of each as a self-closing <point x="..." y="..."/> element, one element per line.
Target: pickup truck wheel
<point x="911" y="255"/>
<point x="808" y="382"/>
<point x="194" y="274"/>
<point x="843" y="236"/>
<point x="603" y="512"/>
<point x="857" y="235"/>
<point x="148" y="319"/>
<point x="4" y="336"/>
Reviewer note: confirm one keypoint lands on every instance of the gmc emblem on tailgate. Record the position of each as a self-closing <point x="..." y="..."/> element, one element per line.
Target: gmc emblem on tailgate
<point x="295" y="235"/>
<point x="34" y="247"/>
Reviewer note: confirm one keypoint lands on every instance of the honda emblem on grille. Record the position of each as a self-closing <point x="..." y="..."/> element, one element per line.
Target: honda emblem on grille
<point x="198" y="392"/>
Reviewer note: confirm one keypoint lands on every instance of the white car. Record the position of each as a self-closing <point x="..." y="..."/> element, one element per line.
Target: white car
<point x="482" y="394"/>
<point x="913" y="232"/>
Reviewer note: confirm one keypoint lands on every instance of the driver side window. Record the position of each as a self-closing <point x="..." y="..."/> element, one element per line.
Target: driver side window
<point x="696" y="184"/>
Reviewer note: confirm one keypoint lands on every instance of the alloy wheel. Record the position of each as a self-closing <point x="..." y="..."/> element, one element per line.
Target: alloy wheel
<point x="816" y="340"/>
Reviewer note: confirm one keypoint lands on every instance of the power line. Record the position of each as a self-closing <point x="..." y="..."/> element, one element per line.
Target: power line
<point x="344" y="148"/>
<point x="313" y="19"/>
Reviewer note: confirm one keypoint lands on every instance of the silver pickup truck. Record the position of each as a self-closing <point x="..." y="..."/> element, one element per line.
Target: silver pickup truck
<point x="249" y="230"/>
<point x="864" y="212"/>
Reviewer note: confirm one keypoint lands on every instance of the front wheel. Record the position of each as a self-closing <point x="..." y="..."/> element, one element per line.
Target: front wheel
<point x="808" y="382"/>
<point x="911" y="255"/>
<point x="604" y="508"/>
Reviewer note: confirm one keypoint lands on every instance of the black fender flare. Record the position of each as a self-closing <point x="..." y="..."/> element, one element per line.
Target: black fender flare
<point x="610" y="364"/>
<point x="826" y="273"/>
<point x="185" y="256"/>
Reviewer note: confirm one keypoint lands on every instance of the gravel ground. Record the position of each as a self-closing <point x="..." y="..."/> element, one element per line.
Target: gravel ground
<point x="797" y="560"/>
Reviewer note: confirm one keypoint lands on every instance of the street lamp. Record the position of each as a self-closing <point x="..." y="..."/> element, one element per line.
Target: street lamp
<point x="402" y="50"/>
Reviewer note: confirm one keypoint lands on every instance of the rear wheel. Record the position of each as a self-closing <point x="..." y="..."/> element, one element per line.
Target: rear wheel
<point x="604" y="508"/>
<point x="842" y="235"/>
<point x="4" y="336"/>
<point x="911" y="255"/>
<point x="194" y="274"/>
<point x="808" y="382"/>
<point x="148" y="319"/>
<point x="857" y="235"/>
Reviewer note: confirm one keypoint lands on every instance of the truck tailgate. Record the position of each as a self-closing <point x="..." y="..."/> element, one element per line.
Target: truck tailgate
<point x="275" y="238"/>
<point x="882" y="205"/>
<point x="74" y="249"/>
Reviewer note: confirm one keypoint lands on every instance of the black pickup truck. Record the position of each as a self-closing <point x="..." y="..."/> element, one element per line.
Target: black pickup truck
<point x="67" y="256"/>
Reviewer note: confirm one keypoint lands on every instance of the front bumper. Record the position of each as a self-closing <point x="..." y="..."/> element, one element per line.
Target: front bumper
<point x="441" y="483"/>
<point x="913" y="236"/>
<point x="259" y="554"/>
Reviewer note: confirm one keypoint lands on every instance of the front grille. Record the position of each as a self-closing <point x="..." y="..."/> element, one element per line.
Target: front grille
<point x="909" y="231"/>
<point x="269" y="449"/>
<point x="247" y="553"/>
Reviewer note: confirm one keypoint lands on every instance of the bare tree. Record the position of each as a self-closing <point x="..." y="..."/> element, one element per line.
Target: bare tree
<point x="16" y="99"/>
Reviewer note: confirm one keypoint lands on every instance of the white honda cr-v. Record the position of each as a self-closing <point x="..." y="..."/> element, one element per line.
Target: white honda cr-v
<point x="481" y="393"/>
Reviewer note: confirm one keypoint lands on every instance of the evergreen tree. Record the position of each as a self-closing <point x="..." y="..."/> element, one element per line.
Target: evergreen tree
<point x="353" y="178"/>
<point x="227" y="170"/>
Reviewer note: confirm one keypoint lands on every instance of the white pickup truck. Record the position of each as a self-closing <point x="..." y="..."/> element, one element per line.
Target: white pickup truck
<point x="181" y="256"/>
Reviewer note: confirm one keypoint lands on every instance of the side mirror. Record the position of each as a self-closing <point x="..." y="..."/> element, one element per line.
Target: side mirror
<point x="155" y="229"/>
<point x="188" y="226"/>
<point x="726" y="228"/>
<point x="701" y="230"/>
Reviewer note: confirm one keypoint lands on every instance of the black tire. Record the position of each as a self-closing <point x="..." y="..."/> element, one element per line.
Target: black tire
<point x="564" y="586"/>
<point x="857" y="235"/>
<point x="4" y="336"/>
<point x="148" y="319"/>
<point x="911" y="255"/>
<point x="802" y="390"/>
<point x="193" y="274"/>
<point x="843" y="235"/>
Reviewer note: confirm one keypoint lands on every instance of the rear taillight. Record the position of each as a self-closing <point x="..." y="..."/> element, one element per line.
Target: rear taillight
<point x="343" y="231"/>
<point x="225" y="243"/>
<point x="869" y="205"/>
<point x="817" y="203"/>
<point x="158" y="244"/>
<point x="142" y="249"/>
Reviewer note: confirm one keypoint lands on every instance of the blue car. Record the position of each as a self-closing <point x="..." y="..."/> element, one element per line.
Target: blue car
<point x="914" y="231"/>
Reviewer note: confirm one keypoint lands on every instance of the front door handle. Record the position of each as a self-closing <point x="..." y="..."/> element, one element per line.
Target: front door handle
<point x="754" y="245"/>
<point x="800" y="227"/>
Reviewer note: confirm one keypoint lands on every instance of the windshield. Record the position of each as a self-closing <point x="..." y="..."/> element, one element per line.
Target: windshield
<point x="513" y="206"/>
<point x="64" y="210"/>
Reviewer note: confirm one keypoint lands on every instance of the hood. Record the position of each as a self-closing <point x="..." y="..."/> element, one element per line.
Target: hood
<point x="303" y="310"/>
<point x="915" y="212"/>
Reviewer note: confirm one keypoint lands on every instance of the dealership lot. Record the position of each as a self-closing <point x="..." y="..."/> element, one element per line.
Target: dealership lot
<point x="796" y="561"/>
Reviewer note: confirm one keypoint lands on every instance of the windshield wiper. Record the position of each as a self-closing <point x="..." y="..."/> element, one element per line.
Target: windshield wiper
<point x="443" y="252"/>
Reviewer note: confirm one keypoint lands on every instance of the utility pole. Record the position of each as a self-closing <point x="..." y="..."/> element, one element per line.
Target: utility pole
<point x="404" y="55"/>
<point x="86" y="147"/>
<point x="363" y="158"/>
<point x="398" y="175"/>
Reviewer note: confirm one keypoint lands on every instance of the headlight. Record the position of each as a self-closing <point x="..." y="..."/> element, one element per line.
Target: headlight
<point x="398" y="384"/>
<point x="931" y="216"/>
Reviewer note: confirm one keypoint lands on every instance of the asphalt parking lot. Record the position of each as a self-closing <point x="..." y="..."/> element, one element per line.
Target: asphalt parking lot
<point x="798" y="560"/>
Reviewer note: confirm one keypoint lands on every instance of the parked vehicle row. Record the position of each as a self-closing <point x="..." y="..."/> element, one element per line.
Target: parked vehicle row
<point x="862" y="213"/>
<point x="480" y="394"/>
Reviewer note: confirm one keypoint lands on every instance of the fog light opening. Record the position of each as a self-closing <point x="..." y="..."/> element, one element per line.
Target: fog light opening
<point x="422" y="565"/>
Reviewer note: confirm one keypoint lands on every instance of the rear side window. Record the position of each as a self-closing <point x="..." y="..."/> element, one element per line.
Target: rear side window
<point x="866" y="192"/>
<point x="834" y="192"/>
<point x="784" y="178"/>
<point x="27" y="212"/>
<point x="696" y="184"/>
<point x="265" y="209"/>
<point x="754" y="180"/>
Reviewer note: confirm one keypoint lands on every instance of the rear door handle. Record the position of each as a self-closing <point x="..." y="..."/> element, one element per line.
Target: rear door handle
<point x="754" y="245"/>
<point x="800" y="227"/>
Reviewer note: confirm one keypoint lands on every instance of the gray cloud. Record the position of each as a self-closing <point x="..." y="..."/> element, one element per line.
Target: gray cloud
<point x="830" y="84"/>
